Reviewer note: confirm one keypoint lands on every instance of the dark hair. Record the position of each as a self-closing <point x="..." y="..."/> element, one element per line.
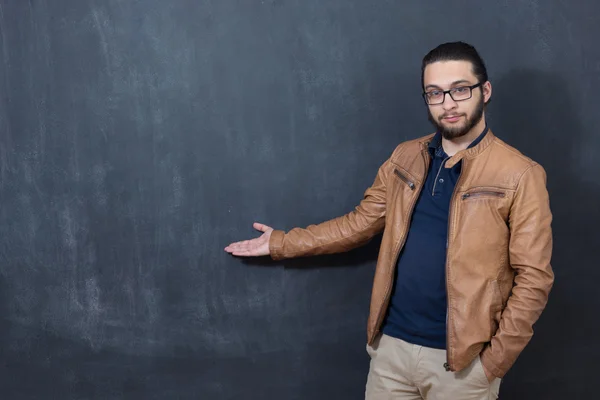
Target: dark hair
<point x="456" y="51"/>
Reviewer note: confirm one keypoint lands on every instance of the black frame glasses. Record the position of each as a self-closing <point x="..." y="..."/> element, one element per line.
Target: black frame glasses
<point x="451" y="92"/>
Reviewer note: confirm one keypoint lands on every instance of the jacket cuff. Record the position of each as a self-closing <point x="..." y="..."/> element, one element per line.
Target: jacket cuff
<point x="486" y="360"/>
<point x="276" y="244"/>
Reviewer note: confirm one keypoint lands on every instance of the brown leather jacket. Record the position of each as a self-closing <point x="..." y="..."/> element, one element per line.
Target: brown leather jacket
<point x="498" y="272"/>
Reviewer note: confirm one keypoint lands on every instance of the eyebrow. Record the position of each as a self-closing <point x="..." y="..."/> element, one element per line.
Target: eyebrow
<point x="452" y="84"/>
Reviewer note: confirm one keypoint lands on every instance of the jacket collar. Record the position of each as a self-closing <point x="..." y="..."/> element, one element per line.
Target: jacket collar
<point x="468" y="153"/>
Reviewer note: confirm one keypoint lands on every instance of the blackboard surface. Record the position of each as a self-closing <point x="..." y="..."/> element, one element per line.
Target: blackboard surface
<point x="139" y="138"/>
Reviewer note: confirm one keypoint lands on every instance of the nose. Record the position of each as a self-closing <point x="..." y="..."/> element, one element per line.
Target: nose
<point x="448" y="103"/>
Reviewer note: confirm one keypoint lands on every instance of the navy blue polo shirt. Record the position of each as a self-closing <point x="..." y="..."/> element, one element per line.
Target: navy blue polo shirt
<point x="418" y="307"/>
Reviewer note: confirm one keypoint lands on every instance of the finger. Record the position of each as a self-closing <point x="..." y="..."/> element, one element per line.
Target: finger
<point x="244" y="253"/>
<point x="261" y="227"/>
<point x="231" y="247"/>
<point x="238" y="244"/>
<point x="237" y="247"/>
<point x="245" y="245"/>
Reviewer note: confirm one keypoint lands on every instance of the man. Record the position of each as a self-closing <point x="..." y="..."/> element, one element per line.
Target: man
<point x="464" y="267"/>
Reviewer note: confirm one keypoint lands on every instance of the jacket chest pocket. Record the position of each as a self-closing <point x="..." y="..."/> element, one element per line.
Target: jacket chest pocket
<point x="402" y="195"/>
<point x="485" y="200"/>
<point x="474" y="194"/>
<point x="405" y="179"/>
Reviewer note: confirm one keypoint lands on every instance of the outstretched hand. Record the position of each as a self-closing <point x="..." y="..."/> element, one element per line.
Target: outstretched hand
<point x="255" y="247"/>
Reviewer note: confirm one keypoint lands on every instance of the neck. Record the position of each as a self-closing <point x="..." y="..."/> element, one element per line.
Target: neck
<point x="453" y="146"/>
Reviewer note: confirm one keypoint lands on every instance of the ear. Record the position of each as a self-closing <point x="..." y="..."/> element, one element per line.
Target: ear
<point x="487" y="91"/>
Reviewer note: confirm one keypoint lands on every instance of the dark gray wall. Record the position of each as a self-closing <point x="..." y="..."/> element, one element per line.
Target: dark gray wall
<point x="138" y="138"/>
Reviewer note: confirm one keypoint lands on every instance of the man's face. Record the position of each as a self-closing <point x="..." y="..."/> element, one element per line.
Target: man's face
<point x="454" y="118"/>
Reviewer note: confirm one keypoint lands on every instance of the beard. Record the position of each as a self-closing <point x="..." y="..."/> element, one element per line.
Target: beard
<point x="450" y="133"/>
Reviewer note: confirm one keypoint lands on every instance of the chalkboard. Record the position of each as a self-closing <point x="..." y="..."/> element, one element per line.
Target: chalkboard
<point x="139" y="138"/>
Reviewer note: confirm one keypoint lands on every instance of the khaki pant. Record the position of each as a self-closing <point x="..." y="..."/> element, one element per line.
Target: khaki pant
<point x="400" y="370"/>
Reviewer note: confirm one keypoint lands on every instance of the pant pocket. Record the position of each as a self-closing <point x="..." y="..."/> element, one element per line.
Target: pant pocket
<point x="480" y="372"/>
<point x="372" y="349"/>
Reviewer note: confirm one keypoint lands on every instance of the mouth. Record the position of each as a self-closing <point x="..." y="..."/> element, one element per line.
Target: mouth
<point x="452" y="118"/>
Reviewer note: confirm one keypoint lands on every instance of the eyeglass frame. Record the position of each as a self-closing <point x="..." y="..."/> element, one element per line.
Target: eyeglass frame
<point x="444" y="92"/>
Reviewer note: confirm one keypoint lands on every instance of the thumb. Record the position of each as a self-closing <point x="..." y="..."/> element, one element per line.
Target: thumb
<point x="261" y="227"/>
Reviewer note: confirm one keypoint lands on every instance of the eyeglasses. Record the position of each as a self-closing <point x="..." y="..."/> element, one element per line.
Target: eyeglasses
<point x="459" y="93"/>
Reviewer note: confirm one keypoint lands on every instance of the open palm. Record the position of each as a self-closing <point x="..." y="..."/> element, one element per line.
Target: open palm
<point x="255" y="247"/>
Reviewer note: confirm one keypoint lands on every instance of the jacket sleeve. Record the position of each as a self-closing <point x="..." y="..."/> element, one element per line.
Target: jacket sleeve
<point x="530" y="251"/>
<point x="339" y="234"/>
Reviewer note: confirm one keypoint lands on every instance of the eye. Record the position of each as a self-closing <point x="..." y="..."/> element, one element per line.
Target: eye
<point x="434" y="93"/>
<point x="461" y="89"/>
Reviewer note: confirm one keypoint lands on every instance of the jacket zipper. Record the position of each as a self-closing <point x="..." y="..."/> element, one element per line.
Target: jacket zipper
<point x="410" y="183"/>
<point x="482" y="193"/>
<point x="448" y="364"/>
<point x="401" y="242"/>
